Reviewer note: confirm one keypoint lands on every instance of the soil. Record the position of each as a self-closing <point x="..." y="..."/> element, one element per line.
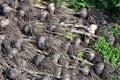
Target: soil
<point x="39" y="47"/>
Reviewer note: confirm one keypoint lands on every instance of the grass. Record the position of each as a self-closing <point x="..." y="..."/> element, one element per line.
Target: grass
<point x="111" y="55"/>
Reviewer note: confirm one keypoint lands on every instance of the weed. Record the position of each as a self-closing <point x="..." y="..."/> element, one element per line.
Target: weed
<point x="102" y="47"/>
<point x="77" y="4"/>
<point x="102" y="4"/>
<point x="80" y="54"/>
<point x="71" y="35"/>
<point x="112" y="5"/>
<point x="110" y="53"/>
<point x="63" y="39"/>
<point x="116" y="31"/>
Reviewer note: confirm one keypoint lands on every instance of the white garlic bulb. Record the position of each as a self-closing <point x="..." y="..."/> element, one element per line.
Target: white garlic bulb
<point x="43" y="15"/>
<point x="41" y="42"/>
<point x="2" y="37"/>
<point x="90" y="56"/>
<point x="4" y="23"/>
<point x="51" y="7"/>
<point x="92" y="28"/>
<point x="21" y="13"/>
<point x="91" y="31"/>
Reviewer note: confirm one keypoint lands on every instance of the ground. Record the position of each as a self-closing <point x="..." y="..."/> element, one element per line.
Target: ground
<point x="43" y="44"/>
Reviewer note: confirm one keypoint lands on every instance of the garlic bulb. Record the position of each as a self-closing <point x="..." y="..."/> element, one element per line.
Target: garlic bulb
<point x="51" y="7"/>
<point x="55" y="57"/>
<point x="66" y="76"/>
<point x="92" y="28"/>
<point x="4" y="23"/>
<point x="2" y="37"/>
<point x="18" y="43"/>
<point x="90" y="56"/>
<point x="99" y="67"/>
<point x="41" y="42"/>
<point x="51" y="27"/>
<point x="37" y="59"/>
<point x="85" y="70"/>
<point x="21" y="13"/>
<point x="43" y="15"/>
<point x="12" y="73"/>
<point x="57" y="72"/>
<point x="7" y="8"/>
<point x="82" y="13"/>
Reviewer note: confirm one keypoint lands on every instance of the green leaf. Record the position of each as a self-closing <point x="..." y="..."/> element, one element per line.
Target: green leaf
<point x="117" y="5"/>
